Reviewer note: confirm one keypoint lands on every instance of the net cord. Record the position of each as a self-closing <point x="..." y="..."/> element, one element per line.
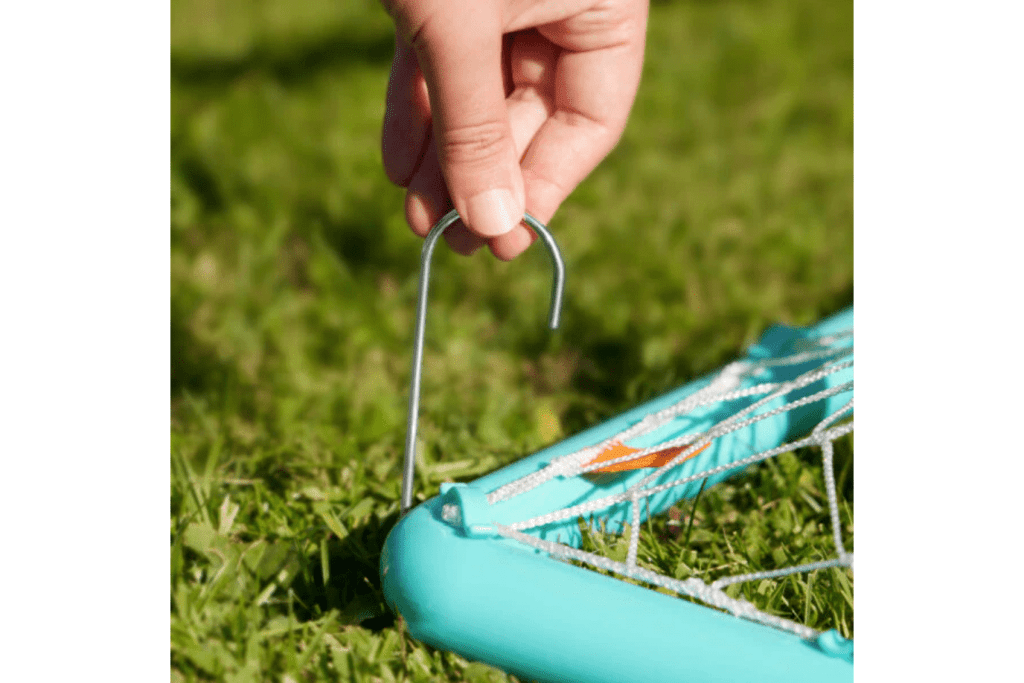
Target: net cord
<point x="722" y="388"/>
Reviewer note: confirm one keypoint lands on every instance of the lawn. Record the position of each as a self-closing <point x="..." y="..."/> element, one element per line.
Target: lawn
<point x="727" y="206"/>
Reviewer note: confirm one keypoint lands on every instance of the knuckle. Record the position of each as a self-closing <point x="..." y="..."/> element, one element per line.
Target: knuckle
<point x="409" y="17"/>
<point x="483" y="142"/>
<point x="420" y="23"/>
<point x="611" y="22"/>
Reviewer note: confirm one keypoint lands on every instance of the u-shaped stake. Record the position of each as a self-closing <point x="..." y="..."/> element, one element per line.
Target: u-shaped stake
<point x="557" y="289"/>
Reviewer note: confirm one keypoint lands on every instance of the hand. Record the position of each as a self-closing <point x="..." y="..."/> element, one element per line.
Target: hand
<point x="496" y="107"/>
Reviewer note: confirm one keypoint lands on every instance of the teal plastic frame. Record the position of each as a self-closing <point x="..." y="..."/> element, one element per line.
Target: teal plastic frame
<point x="491" y="599"/>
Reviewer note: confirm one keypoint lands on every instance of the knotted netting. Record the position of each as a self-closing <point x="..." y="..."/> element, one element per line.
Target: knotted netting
<point x="800" y="394"/>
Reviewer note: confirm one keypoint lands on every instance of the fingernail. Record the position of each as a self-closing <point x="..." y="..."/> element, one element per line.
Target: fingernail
<point x="492" y="213"/>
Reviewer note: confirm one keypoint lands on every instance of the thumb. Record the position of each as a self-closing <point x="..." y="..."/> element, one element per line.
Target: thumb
<point x="459" y="50"/>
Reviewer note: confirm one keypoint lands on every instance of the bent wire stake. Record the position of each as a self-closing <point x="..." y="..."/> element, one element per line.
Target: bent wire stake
<point x="557" y="289"/>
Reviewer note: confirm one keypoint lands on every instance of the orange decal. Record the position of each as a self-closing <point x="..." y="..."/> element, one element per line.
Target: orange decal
<point x="656" y="459"/>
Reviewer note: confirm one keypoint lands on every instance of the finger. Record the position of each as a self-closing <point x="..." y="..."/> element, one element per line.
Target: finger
<point x="459" y="50"/>
<point x="427" y="202"/>
<point x="593" y="92"/>
<point x="407" y="117"/>
<point x="532" y="72"/>
<point x="461" y="240"/>
<point x="513" y="243"/>
<point x="532" y="75"/>
<point x="427" y="199"/>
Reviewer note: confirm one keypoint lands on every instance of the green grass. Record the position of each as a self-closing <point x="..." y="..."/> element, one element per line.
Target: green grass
<point x="772" y="516"/>
<point x="727" y="207"/>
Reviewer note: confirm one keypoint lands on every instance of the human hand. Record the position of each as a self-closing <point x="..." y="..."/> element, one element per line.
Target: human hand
<point x="496" y="107"/>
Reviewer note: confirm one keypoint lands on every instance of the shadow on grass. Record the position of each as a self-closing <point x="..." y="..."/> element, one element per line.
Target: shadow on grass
<point x="837" y="301"/>
<point x="611" y="372"/>
<point x="201" y="179"/>
<point x="361" y="239"/>
<point x="289" y="64"/>
<point x="194" y="367"/>
<point x="353" y="587"/>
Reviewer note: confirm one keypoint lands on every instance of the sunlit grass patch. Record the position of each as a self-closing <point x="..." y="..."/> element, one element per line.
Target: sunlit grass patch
<point x="727" y="207"/>
<point x="772" y="516"/>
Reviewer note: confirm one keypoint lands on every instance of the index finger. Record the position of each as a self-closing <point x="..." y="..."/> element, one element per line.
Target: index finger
<point x="458" y="44"/>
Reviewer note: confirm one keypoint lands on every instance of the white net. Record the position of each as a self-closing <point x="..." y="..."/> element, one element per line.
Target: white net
<point x="820" y="361"/>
